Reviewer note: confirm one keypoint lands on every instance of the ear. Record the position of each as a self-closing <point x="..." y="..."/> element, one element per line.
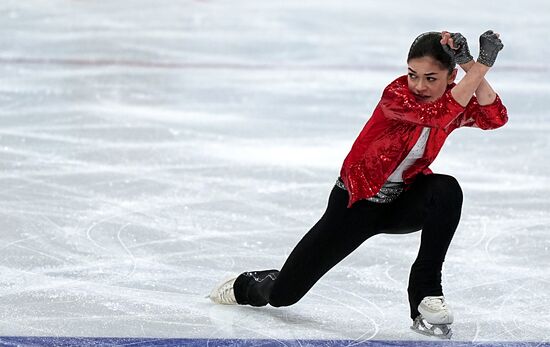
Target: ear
<point x="452" y="76"/>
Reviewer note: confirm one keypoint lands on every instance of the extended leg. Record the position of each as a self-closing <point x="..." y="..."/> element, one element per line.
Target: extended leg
<point x="336" y="235"/>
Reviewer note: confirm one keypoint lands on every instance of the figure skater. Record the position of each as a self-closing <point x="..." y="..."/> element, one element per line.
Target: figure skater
<point x="385" y="185"/>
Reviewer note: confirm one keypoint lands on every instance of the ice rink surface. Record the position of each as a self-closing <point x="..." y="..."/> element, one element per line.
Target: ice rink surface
<point x="150" y="149"/>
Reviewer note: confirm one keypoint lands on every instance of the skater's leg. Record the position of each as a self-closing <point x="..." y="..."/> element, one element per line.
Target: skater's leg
<point x="336" y="235"/>
<point x="433" y="204"/>
<point x="443" y="209"/>
<point x="254" y="287"/>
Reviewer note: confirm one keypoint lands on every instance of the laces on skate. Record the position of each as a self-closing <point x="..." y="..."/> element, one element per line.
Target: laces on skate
<point x="223" y="293"/>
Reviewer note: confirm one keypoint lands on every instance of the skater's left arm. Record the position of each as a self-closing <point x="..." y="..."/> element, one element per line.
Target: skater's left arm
<point x="485" y="117"/>
<point x="485" y="110"/>
<point x="485" y="94"/>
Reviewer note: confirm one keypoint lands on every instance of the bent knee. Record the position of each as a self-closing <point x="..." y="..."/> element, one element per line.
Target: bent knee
<point x="446" y="188"/>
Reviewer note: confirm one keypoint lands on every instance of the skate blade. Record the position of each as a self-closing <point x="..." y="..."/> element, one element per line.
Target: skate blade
<point x="441" y="331"/>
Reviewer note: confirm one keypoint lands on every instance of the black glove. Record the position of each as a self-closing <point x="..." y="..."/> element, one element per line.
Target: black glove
<point x="461" y="53"/>
<point x="489" y="46"/>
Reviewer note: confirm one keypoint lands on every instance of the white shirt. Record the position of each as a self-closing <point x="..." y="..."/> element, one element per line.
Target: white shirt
<point x="416" y="153"/>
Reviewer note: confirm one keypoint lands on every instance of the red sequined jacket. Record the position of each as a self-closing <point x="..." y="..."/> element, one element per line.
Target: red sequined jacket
<point x="395" y="127"/>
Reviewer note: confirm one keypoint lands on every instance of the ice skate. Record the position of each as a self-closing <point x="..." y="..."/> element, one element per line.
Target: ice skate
<point x="223" y="293"/>
<point x="435" y="318"/>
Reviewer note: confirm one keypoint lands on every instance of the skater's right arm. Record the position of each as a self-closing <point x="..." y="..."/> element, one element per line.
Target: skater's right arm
<point x="456" y="45"/>
<point x="398" y="102"/>
<point x="485" y="110"/>
<point x="474" y="81"/>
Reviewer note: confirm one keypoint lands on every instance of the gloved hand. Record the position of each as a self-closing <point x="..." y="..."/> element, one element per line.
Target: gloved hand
<point x="489" y="46"/>
<point x="460" y="52"/>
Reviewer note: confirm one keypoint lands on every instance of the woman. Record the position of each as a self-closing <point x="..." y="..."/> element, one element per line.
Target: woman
<point x="385" y="185"/>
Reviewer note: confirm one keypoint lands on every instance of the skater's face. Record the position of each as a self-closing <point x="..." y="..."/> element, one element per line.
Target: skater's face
<point x="428" y="79"/>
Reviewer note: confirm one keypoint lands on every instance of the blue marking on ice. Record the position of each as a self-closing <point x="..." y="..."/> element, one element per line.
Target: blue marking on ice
<point x="137" y="342"/>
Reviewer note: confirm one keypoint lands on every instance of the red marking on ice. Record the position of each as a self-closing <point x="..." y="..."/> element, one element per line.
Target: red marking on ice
<point x="227" y="65"/>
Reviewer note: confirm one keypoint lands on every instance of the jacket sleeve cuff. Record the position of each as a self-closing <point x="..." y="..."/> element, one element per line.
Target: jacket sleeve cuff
<point x="452" y="104"/>
<point x="497" y="103"/>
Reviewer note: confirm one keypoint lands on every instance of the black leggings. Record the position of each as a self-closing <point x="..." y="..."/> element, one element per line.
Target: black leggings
<point x="432" y="203"/>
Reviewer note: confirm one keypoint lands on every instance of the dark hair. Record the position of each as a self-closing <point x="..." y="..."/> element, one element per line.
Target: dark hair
<point x="429" y="45"/>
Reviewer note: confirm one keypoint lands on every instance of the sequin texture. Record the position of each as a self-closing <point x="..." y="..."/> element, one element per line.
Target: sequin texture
<point x="388" y="193"/>
<point x="394" y="128"/>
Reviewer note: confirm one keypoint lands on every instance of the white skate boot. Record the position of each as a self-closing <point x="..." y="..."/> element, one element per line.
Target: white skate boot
<point x="223" y="293"/>
<point x="435" y="318"/>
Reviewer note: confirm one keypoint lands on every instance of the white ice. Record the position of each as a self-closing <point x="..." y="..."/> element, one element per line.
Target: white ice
<point x="149" y="149"/>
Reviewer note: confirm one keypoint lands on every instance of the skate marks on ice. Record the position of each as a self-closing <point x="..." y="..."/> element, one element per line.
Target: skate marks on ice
<point x="148" y="150"/>
<point x="505" y="296"/>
